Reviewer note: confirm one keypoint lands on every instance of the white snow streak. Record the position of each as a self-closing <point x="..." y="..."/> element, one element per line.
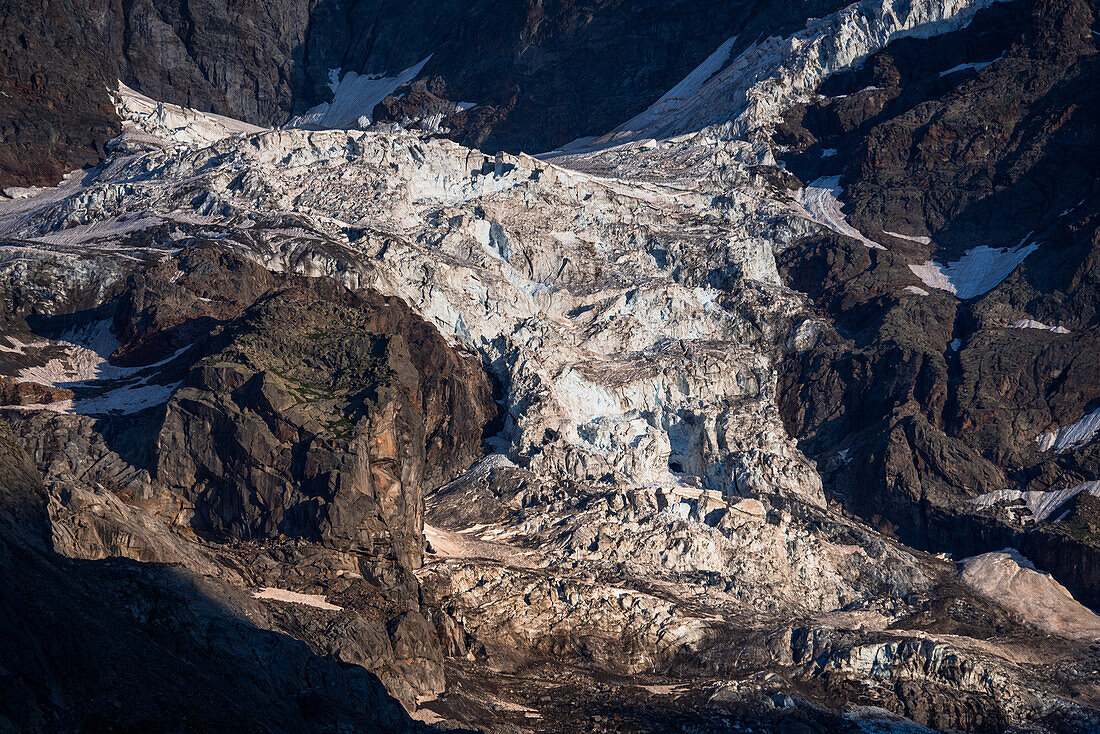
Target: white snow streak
<point x="355" y="97"/>
<point x="1068" y="437"/>
<point x="911" y="238"/>
<point x="674" y="99"/>
<point x="1033" y="324"/>
<point x="18" y="346"/>
<point x="1039" y="504"/>
<point x="976" y="66"/>
<point x="819" y="200"/>
<point x="316" y="601"/>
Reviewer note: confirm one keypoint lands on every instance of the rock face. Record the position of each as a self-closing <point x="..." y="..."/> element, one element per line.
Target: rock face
<point x="56" y="114"/>
<point x="60" y="59"/>
<point x="118" y="644"/>
<point x="323" y="419"/>
<point x="546" y="75"/>
<point x="943" y="373"/>
<point x="738" y="379"/>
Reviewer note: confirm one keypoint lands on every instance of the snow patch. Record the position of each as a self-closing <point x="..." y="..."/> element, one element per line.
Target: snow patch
<point x="1039" y="504"/>
<point x="978" y="271"/>
<point x="18" y="346"/>
<point x="916" y="290"/>
<point x="976" y="66"/>
<point x="1012" y="581"/>
<point x="317" y="601"/>
<point x="84" y="368"/>
<point x="1068" y="437"/>
<point x="122" y="401"/>
<point x="87" y="348"/>
<point x="354" y="98"/>
<point x="820" y="203"/>
<point x="911" y="238"/>
<point x="1072" y="208"/>
<point x="1033" y="324"/>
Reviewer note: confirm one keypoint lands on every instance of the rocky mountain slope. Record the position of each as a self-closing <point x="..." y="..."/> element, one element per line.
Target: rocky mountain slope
<point x="964" y="344"/>
<point x="501" y="76"/>
<point x="115" y="645"/>
<point x="271" y="435"/>
<point x="720" y="417"/>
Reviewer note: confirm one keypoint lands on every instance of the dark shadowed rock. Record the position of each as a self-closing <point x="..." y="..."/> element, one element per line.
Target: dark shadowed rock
<point x="123" y="646"/>
<point x="294" y="454"/>
<point x="935" y="400"/>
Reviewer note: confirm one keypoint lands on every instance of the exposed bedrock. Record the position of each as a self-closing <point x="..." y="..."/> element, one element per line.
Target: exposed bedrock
<point x="325" y="416"/>
<point x="302" y="425"/>
<point x="117" y="644"/>
<point x="954" y="350"/>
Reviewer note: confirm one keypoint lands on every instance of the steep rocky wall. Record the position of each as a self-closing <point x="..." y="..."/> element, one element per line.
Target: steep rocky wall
<point x="93" y="646"/>
<point x="266" y="432"/>
<point x="56" y="115"/>
<point x="923" y="399"/>
<point x="58" y="59"/>
<point x="325" y="417"/>
<point x="544" y="74"/>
